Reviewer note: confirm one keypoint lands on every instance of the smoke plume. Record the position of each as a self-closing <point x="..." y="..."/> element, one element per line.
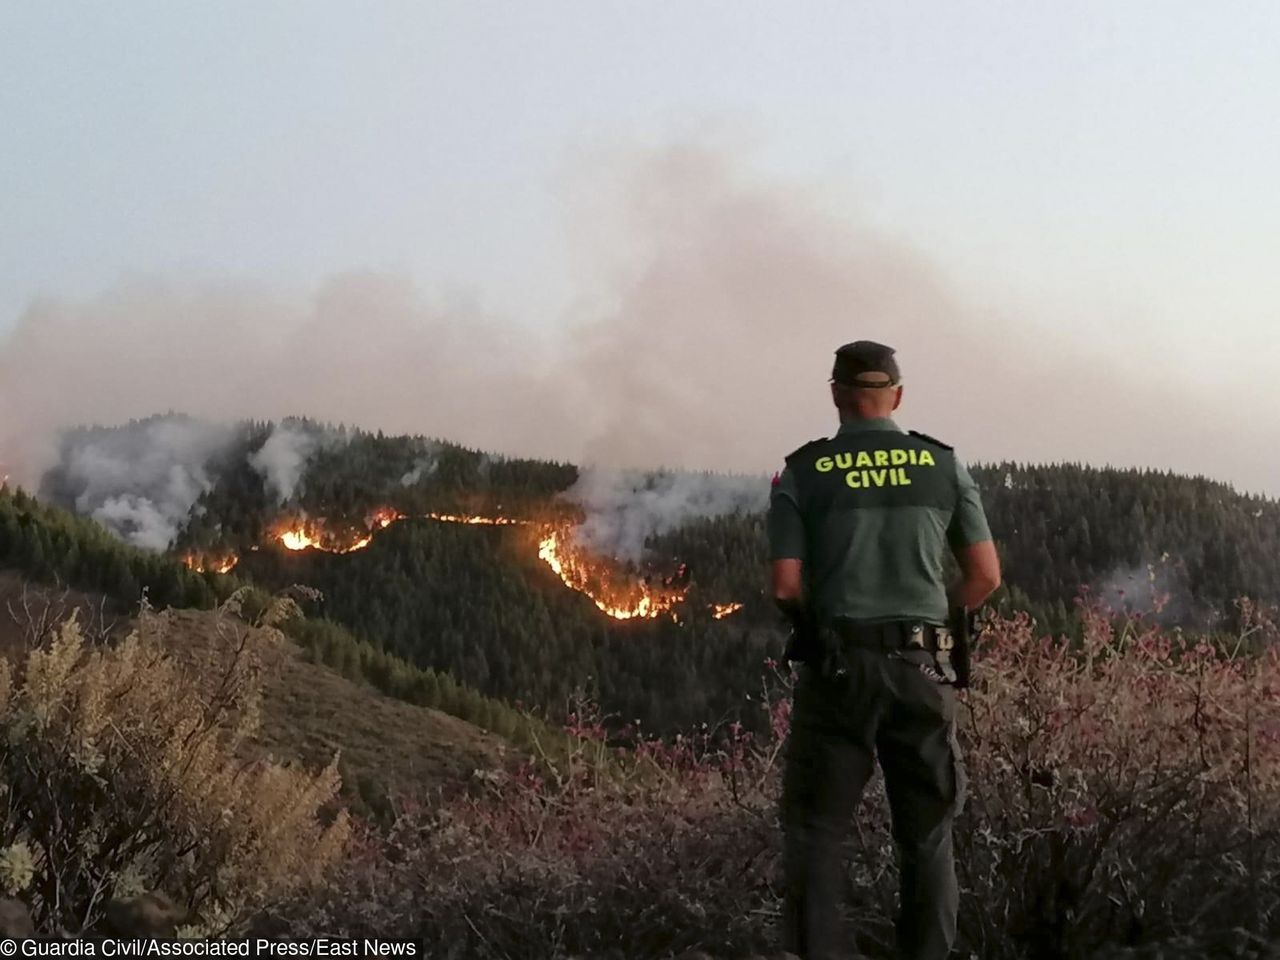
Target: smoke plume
<point x="140" y="481"/>
<point x="624" y="508"/>
<point x="710" y="304"/>
<point x="281" y="459"/>
<point x="423" y="468"/>
<point x="1157" y="591"/>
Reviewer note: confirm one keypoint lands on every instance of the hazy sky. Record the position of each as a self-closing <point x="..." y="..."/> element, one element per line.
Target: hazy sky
<point x="1100" y="177"/>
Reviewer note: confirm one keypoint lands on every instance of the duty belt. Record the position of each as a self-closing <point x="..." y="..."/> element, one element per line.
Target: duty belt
<point x="892" y="637"/>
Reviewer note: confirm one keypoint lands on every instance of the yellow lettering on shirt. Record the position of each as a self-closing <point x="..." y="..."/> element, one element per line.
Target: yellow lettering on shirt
<point x="882" y="458"/>
<point x="878" y="477"/>
<point x="852" y="478"/>
<point x="844" y="460"/>
<point x="864" y="459"/>
<point x="824" y="465"/>
<point x="926" y="459"/>
<point x="897" y="457"/>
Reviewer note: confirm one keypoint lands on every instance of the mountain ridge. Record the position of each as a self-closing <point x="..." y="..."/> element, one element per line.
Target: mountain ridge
<point x="487" y="604"/>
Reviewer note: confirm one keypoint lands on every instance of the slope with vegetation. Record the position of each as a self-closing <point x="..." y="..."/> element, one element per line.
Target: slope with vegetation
<point x="49" y="546"/>
<point x="1124" y="789"/>
<point x="1123" y="800"/>
<point x="474" y="604"/>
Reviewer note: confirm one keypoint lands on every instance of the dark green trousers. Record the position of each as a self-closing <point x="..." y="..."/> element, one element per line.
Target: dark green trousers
<point x="883" y="708"/>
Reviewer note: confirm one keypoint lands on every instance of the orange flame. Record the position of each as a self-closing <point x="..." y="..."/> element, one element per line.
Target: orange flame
<point x="622" y="602"/>
<point x="308" y="534"/>
<point x="211" y="563"/>
<point x="468" y="518"/>
<point x="620" y="596"/>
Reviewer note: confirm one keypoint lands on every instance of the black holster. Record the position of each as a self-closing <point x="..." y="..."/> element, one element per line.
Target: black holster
<point x="963" y="626"/>
<point x="804" y="645"/>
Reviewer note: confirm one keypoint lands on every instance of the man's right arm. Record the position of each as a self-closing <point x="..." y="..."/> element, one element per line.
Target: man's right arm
<point x="979" y="574"/>
<point x="970" y="540"/>
<point x="786" y="541"/>
<point x="786" y="567"/>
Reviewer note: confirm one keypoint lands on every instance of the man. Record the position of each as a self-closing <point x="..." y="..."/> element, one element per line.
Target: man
<point x="858" y="529"/>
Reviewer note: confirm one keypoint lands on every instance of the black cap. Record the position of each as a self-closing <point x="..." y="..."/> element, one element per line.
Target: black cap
<point x="865" y="363"/>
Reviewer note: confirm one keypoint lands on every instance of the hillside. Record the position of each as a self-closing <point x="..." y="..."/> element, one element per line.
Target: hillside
<point x="310" y="712"/>
<point x="387" y="747"/>
<point x="28" y="610"/>
<point x="59" y="561"/>
<point x="527" y="580"/>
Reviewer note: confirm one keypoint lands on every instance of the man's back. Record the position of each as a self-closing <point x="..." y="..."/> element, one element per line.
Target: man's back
<point x="871" y="513"/>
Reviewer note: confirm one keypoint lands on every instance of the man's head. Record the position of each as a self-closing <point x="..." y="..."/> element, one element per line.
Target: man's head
<point x="865" y="382"/>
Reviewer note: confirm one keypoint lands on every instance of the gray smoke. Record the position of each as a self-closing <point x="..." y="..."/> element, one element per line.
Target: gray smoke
<point x="1156" y="591"/>
<point x="626" y="507"/>
<point x="140" y="481"/>
<point x="423" y="468"/>
<point x="710" y="303"/>
<point x="281" y="459"/>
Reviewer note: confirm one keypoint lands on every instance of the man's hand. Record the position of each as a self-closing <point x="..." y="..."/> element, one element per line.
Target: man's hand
<point x="788" y="582"/>
<point x="980" y="574"/>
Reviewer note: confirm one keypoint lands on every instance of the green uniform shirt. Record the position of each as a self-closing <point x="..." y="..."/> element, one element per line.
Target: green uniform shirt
<point x="871" y="513"/>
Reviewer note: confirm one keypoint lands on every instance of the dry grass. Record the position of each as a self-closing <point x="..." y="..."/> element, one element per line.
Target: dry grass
<point x="387" y="747"/>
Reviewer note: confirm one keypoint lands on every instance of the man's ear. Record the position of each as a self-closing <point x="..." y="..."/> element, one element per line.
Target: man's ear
<point x="835" y="394"/>
<point x="897" y="397"/>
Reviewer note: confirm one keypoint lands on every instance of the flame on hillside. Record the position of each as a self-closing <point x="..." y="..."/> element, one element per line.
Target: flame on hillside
<point x="308" y="534"/>
<point x="211" y="562"/>
<point x="620" y="600"/>
<point x="614" y="591"/>
<point x="486" y="521"/>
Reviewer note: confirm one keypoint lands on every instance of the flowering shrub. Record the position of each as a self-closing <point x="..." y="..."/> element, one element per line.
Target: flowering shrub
<point x="1124" y="789"/>
<point x="119" y="773"/>
<point x="599" y="850"/>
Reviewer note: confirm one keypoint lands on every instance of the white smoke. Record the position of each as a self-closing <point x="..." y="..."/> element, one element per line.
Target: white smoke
<point x="422" y="468"/>
<point x="1157" y="591"/>
<point x="140" y="481"/>
<point x="625" y="508"/>
<point x="282" y="458"/>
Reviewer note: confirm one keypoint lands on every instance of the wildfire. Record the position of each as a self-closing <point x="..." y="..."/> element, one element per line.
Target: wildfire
<point x="315" y="535"/>
<point x="487" y="521"/>
<point x="619" y="595"/>
<point x="211" y="563"/>
<point x="622" y="602"/>
<point x="721" y="610"/>
<point x="308" y="537"/>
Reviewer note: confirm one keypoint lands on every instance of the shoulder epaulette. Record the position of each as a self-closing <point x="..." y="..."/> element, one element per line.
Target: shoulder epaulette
<point x="928" y="439"/>
<point x="801" y="449"/>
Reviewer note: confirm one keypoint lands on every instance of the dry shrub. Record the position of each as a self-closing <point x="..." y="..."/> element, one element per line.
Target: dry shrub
<point x="120" y="773"/>
<point x="1124" y="790"/>
<point x="597" y="852"/>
